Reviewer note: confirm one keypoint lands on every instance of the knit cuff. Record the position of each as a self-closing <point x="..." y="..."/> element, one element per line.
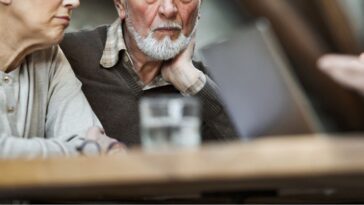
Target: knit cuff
<point x="209" y="96"/>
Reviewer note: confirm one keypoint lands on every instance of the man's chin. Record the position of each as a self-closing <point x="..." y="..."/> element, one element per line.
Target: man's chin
<point x="163" y="51"/>
<point x="160" y="57"/>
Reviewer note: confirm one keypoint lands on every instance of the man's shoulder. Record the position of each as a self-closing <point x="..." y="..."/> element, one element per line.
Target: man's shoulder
<point x="85" y="38"/>
<point x="87" y="33"/>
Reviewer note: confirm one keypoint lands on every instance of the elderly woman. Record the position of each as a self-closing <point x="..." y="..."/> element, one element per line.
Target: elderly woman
<point x="43" y="112"/>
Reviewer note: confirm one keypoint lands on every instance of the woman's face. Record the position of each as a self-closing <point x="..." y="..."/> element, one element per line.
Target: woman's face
<point x="45" y="20"/>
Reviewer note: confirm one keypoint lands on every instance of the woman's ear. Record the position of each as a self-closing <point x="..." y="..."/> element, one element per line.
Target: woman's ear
<point x="121" y="8"/>
<point x="6" y="2"/>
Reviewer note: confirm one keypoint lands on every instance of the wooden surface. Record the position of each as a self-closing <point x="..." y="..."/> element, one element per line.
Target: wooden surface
<point x="307" y="163"/>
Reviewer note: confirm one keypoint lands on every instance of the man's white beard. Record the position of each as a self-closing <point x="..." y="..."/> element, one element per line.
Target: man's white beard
<point x="164" y="49"/>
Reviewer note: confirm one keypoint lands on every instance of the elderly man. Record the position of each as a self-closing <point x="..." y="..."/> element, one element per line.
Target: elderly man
<point x="147" y="51"/>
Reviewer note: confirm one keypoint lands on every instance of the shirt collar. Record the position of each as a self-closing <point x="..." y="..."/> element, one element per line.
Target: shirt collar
<point x="114" y="44"/>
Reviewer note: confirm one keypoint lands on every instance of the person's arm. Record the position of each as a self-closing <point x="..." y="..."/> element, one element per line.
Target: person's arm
<point x="344" y="69"/>
<point x="218" y="124"/>
<point x="190" y="81"/>
<point x="70" y="123"/>
<point x="69" y="113"/>
<point x="12" y="147"/>
<point x="95" y="143"/>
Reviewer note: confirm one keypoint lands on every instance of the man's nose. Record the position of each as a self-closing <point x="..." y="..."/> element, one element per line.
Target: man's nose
<point x="71" y="4"/>
<point x="168" y="9"/>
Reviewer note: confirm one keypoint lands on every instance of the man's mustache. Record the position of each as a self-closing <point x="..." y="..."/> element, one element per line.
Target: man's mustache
<point x="168" y="26"/>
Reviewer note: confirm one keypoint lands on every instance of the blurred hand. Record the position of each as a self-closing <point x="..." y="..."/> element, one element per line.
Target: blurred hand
<point x="180" y="71"/>
<point x="346" y="70"/>
<point x="107" y="144"/>
<point x="117" y="148"/>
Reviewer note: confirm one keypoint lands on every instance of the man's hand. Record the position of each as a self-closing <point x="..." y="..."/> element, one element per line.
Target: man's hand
<point x="180" y="71"/>
<point x="107" y="144"/>
<point x="346" y="70"/>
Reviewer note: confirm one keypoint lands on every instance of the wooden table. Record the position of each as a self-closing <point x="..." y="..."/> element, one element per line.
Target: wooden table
<point x="292" y="169"/>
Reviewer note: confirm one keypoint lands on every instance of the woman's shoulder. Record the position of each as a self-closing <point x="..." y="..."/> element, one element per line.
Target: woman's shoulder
<point x="44" y="57"/>
<point x="48" y="61"/>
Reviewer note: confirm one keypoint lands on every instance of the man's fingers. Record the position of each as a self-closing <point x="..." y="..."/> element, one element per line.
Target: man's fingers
<point x="191" y="47"/>
<point x="189" y="51"/>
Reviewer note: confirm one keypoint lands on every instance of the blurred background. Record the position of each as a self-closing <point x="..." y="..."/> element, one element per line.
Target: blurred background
<point x="306" y="29"/>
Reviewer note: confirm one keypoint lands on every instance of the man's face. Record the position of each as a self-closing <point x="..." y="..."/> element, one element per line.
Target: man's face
<point x="162" y="28"/>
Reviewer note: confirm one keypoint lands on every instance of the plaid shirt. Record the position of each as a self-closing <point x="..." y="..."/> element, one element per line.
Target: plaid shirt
<point x="115" y="43"/>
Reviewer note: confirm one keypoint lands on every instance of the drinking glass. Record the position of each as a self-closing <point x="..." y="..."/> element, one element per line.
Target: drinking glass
<point x="170" y="122"/>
